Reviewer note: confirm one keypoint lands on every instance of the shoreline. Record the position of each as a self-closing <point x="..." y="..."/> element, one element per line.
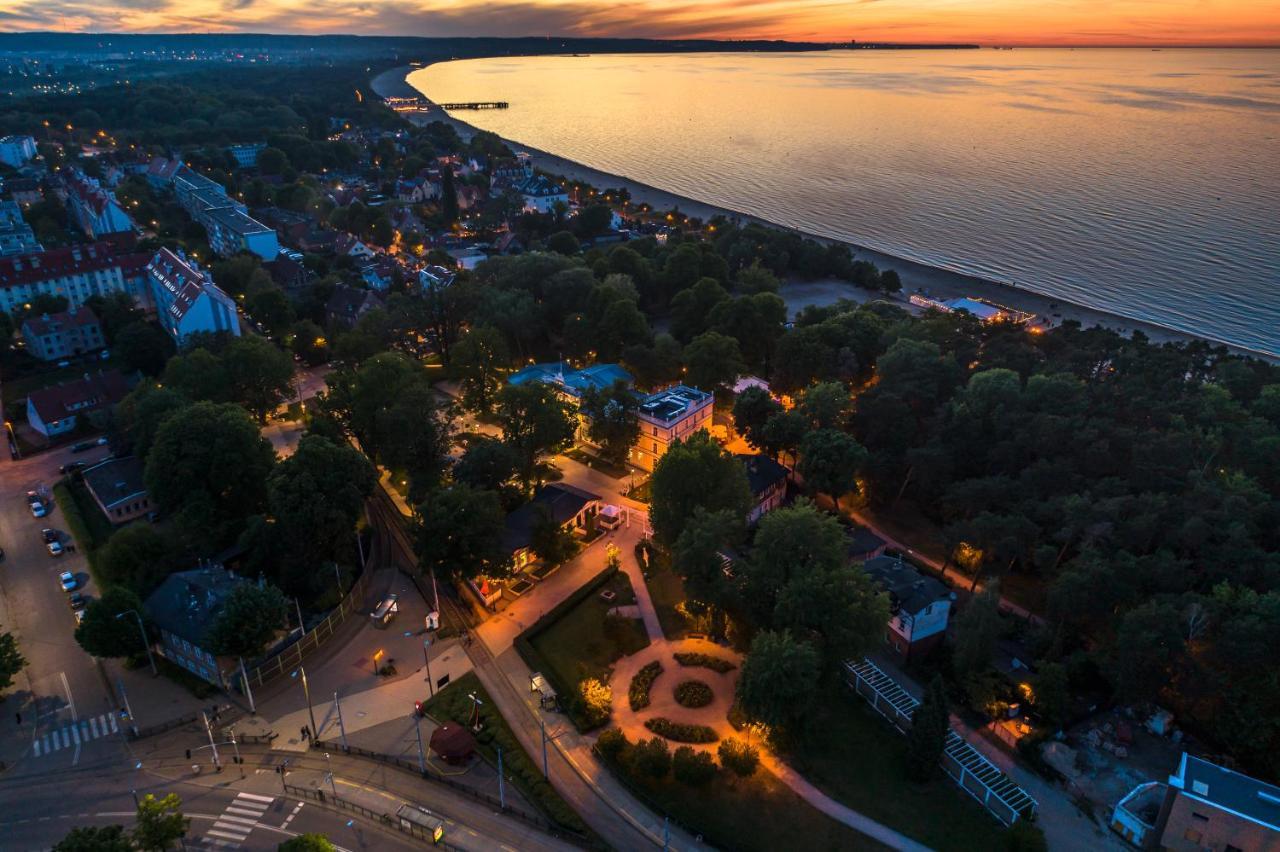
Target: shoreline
<point x="936" y="282"/>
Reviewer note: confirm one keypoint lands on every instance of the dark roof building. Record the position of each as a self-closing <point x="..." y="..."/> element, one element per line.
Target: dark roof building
<point x="348" y="304"/>
<point x="560" y="502"/>
<point x="908" y="589"/>
<point x="118" y="488"/>
<point x="53" y="411"/>
<point x="185" y="607"/>
<point x="864" y="545"/>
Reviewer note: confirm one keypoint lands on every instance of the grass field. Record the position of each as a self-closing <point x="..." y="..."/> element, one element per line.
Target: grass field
<point x="666" y="588"/>
<point x="583" y="644"/>
<point x="857" y="759"/>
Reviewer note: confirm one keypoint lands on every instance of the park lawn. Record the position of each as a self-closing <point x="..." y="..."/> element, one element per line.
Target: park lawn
<point x="453" y="703"/>
<point x="755" y="814"/>
<point x="578" y="645"/>
<point x="666" y="588"/>
<point x="855" y="757"/>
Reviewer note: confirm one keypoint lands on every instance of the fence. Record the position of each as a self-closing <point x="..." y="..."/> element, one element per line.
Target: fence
<point x="409" y="766"/>
<point x="329" y="800"/>
<point x="964" y="764"/>
<point x="289" y="657"/>
<point x="152" y="730"/>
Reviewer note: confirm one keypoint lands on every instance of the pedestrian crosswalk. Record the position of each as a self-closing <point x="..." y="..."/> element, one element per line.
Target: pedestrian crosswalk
<point x="77" y="733"/>
<point x="237" y="820"/>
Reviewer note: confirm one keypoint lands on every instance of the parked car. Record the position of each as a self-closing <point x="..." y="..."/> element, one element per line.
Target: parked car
<point x="68" y="581"/>
<point x="54" y="548"/>
<point x="101" y="442"/>
<point x="73" y="466"/>
<point x="49" y="535"/>
<point x="38" y="510"/>
<point x="77" y="601"/>
<point x="83" y="446"/>
<point x="79" y="614"/>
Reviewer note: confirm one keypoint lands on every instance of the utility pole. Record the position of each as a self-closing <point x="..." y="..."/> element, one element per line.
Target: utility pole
<point x="209" y="730"/>
<point x="310" y="712"/>
<point x="145" y="642"/>
<point x="426" y="658"/>
<point x="341" y="727"/>
<point x="502" y="790"/>
<point x="301" y="624"/>
<point x="244" y="674"/>
<point x="236" y="745"/>
<point x="332" y="784"/>
<point x="133" y="723"/>
<point x="422" y="758"/>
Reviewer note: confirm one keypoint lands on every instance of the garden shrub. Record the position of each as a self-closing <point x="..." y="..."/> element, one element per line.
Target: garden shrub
<point x="641" y="682"/>
<point x="681" y="732"/>
<point x="651" y="757"/>
<point x="706" y="661"/>
<point x="695" y="768"/>
<point x="611" y="744"/>
<point x="693" y="693"/>
<point x="739" y="757"/>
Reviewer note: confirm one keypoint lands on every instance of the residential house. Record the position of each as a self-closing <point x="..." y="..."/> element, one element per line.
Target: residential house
<point x="471" y="197"/>
<point x="117" y="486"/>
<point x="541" y="194"/>
<point x="768" y="482"/>
<point x="319" y="241"/>
<point x="569" y="507"/>
<point x="919" y="606"/>
<point x="50" y="337"/>
<point x="348" y="304"/>
<point x="346" y="245"/>
<point x="289" y="273"/>
<point x="508" y="243"/>
<point x="185" y="608"/>
<point x="669" y="415"/>
<point x="16" y="236"/>
<point x="94" y="210"/>
<point x="24" y="191"/>
<point x="380" y="273"/>
<point x="467" y="258"/>
<point x="1203" y="807"/>
<point x="246" y="155"/>
<point x="76" y="272"/>
<point x="56" y="410"/>
<point x="186" y="299"/>
<point x="162" y="170"/>
<point x="864" y="545"/>
<point x="17" y="151"/>
<point x="291" y="227"/>
<point x="435" y="278"/>
<point x="231" y="229"/>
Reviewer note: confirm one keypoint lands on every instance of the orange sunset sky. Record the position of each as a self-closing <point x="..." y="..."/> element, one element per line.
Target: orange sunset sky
<point x="1016" y="22"/>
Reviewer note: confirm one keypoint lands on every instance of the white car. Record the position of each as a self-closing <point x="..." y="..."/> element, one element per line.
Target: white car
<point x="38" y="510"/>
<point x="68" y="581"/>
<point x="54" y="548"/>
<point x="79" y="614"/>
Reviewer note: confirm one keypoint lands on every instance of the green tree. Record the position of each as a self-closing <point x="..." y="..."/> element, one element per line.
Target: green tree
<point x="553" y="544"/>
<point x="101" y="634"/>
<point x="271" y="307"/>
<point x="830" y="461"/>
<point x="459" y="533"/>
<point x="272" y="161"/>
<point x="928" y="735"/>
<point x="756" y="322"/>
<point x="477" y="361"/>
<point x="307" y="843"/>
<point x="651" y="757"/>
<point x="694" y="768"/>
<point x="783" y="432"/>
<point x="779" y="679"/>
<point x="249" y="620"/>
<point x="1052" y="693"/>
<point x="757" y="279"/>
<point x="738" y="757"/>
<point x="448" y="196"/>
<point x="261" y="374"/>
<point x="114" y="311"/>
<point x="198" y="375"/>
<point x="95" y="838"/>
<point x="695" y="473"/>
<point x="696" y="554"/>
<point x="826" y="405"/>
<point x="136" y="557"/>
<point x="11" y="661"/>
<point x="563" y="242"/>
<point x="977" y="629"/>
<point x="841" y="611"/>
<point x="751" y="410"/>
<point x="160" y="823"/>
<point x="209" y="463"/>
<point x="534" y="420"/>
<point x="487" y="464"/>
<point x="137" y="418"/>
<point x="890" y="282"/>
<point x="612" y="420"/>
<point x="316" y="496"/>
<point x="801" y="357"/>
<point x="143" y="347"/>
<point x="691" y="308"/>
<point x="713" y="361"/>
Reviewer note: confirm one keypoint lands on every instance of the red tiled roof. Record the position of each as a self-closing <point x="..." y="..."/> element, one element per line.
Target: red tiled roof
<point x="91" y="196"/>
<point x="87" y="394"/>
<point x="56" y="263"/>
<point x="50" y="323"/>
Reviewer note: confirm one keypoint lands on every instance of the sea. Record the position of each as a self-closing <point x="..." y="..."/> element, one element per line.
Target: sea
<point x="1141" y="182"/>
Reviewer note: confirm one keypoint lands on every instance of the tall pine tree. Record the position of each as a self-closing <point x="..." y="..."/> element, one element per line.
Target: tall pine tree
<point x="928" y="732"/>
<point x="448" y="196"/>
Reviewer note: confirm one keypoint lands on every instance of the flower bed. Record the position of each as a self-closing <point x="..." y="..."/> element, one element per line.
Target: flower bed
<point x="641" y="682"/>
<point x="693" y="693"/>
<point x="705" y="661"/>
<point x="680" y="731"/>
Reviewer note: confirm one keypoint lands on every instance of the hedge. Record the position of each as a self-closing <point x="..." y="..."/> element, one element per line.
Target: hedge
<point x="693" y="693"/>
<point x="570" y="700"/>
<point x="680" y="732"/>
<point x="706" y="661"/>
<point x="641" y="682"/>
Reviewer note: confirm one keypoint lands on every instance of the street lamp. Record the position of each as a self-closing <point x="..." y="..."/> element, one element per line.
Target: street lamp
<point x="146" y="644"/>
<point x="307" y="692"/>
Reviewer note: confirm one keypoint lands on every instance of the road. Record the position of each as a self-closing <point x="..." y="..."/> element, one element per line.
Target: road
<point x="67" y="714"/>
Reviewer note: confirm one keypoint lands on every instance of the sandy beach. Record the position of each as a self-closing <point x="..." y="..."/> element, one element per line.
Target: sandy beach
<point x="935" y="282"/>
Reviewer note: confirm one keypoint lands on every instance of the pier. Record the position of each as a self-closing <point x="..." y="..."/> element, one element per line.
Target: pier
<point x="476" y="105"/>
